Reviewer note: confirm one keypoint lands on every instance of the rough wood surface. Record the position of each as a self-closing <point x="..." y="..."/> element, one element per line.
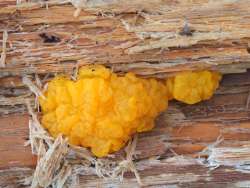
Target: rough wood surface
<point x="151" y="38"/>
<point x="142" y="36"/>
<point x="168" y="155"/>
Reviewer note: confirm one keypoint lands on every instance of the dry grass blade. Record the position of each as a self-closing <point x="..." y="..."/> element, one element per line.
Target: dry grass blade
<point x="62" y="176"/>
<point x="83" y="153"/>
<point x="32" y="87"/>
<point x="128" y="164"/>
<point x="36" y="131"/>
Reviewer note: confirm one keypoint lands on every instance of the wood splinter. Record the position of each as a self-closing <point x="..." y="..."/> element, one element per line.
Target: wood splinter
<point x="3" y="54"/>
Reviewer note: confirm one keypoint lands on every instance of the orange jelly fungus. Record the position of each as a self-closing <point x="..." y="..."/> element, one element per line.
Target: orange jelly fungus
<point x="192" y="87"/>
<point x="101" y="110"/>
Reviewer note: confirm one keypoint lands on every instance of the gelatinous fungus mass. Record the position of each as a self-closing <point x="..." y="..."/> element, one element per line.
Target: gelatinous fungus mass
<point x="102" y="110"/>
<point x="192" y="87"/>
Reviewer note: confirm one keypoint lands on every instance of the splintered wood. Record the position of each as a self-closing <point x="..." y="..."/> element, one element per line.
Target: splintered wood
<point x="3" y="54"/>
<point x="153" y="38"/>
<point x="188" y="145"/>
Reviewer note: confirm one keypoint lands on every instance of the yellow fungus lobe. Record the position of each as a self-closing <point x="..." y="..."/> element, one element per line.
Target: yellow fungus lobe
<point x="101" y="110"/>
<point x="192" y="87"/>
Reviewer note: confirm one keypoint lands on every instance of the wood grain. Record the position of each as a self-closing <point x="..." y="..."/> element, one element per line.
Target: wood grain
<point x="14" y="133"/>
<point x="138" y="36"/>
<point x="150" y="39"/>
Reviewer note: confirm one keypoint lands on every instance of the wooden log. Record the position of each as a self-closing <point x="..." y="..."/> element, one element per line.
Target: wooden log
<point x="168" y="155"/>
<point x="141" y="36"/>
<point x="145" y="37"/>
<point x="154" y="38"/>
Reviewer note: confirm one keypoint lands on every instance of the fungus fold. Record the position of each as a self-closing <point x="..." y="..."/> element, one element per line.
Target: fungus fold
<point x="101" y="110"/>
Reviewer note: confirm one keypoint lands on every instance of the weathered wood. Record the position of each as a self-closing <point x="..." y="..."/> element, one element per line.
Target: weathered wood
<point x="179" y="137"/>
<point x="139" y="36"/>
<point x="153" y="39"/>
<point x="145" y="37"/>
